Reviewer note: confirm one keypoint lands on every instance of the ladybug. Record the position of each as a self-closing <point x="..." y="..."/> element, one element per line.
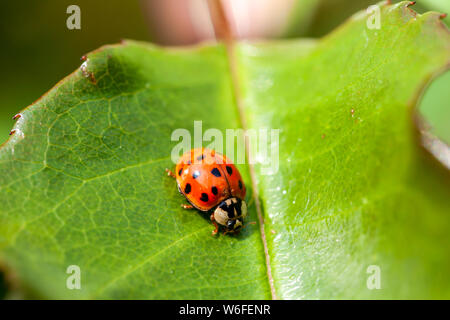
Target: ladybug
<point x="211" y="183"/>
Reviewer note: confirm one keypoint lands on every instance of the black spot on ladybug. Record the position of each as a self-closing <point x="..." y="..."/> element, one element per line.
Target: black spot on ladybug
<point x="240" y="184"/>
<point x="179" y="172"/>
<point x="230" y="214"/>
<point x="214" y="190"/>
<point x="201" y="157"/>
<point x="216" y="172"/>
<point x="196" y="174"/>
<point x="204" y="197"/>
<point x="187" y="189"/>
<point x="229" y="170"/>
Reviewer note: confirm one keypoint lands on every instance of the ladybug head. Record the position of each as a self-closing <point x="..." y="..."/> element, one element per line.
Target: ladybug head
<point x="231" y="213"/>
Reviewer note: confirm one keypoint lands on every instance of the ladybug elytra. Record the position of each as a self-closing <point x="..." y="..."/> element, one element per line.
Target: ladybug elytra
<point x="211" y="182"/>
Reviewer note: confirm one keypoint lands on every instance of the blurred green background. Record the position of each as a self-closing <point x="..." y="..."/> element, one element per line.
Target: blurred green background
<point x="38" y="50"/>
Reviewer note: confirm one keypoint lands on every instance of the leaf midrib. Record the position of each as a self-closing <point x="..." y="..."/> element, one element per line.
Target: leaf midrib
<point x="223" y="28"/>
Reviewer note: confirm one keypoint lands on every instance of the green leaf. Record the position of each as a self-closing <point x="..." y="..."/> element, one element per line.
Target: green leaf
<point x="435" y="104"/>
<point x="435" y="107"/>
<point x="86" y="185"/>
<point x="82" y="180"/>
<point x="353" y="189"/>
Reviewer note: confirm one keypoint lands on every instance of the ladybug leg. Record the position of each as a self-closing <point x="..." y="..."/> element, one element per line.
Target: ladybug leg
<point x="232" y="231"/>
<point x="215" y="231"/>
<point x="170" y="173"/>
<point x="187" y="206"/>
<point x="251" y="222"/>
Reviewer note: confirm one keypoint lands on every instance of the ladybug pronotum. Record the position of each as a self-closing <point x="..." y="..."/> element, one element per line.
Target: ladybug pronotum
<point x="211" y="183"/>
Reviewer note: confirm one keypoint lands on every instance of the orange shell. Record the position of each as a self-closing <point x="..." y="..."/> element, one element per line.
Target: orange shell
<point x="206" y="178"/>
